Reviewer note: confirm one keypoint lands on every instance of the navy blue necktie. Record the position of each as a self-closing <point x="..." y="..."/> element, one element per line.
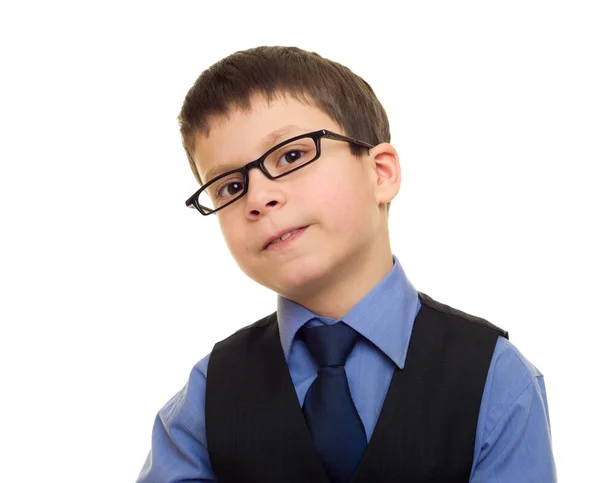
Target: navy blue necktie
<point x="332" y="418"/>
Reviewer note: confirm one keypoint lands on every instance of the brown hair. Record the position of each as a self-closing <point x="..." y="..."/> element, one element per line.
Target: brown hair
<point x="271" y="71"/>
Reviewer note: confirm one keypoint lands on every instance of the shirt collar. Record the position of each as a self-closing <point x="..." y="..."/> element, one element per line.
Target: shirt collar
<point x="384" y="316"/>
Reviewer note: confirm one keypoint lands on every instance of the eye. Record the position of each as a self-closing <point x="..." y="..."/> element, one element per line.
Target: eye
<point x="291" y="156"/>
<point x="231" y="188"/>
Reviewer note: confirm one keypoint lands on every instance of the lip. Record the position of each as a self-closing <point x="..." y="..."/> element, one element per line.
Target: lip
<point x="283" y="232"/>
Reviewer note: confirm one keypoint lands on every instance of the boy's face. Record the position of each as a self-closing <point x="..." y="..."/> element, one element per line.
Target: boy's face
<point x="338" y="198"/>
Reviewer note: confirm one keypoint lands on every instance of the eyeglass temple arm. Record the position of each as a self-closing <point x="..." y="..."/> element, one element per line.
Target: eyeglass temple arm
<point x="339" y="137"/>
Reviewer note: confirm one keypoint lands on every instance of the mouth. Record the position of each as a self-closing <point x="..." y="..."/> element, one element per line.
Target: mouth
<point x="285" y="239"/>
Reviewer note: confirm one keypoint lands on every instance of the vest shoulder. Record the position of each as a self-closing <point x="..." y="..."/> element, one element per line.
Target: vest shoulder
<point x="449" y="311"/>
<point x="250" y="330"/>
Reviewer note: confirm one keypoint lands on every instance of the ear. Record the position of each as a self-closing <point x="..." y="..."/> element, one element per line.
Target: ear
<point x="386" y="166"/>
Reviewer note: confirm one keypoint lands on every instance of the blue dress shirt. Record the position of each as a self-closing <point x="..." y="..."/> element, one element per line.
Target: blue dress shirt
<point x="512" y="442"/>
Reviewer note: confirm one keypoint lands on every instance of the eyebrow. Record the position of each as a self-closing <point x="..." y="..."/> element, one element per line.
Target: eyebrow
<point x="265" y="144"/>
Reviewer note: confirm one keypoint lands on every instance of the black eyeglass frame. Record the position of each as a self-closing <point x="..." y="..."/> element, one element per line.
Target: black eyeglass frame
<point x="192" y="201"/>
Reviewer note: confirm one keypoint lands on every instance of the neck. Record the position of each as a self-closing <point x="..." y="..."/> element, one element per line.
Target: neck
<point x="336" y="295"/>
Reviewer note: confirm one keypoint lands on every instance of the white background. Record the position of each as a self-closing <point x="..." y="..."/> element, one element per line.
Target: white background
<point x="111" y="290"/>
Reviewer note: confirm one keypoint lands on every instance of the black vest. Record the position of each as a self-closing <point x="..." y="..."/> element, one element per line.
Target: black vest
<point x="256" y="431"/>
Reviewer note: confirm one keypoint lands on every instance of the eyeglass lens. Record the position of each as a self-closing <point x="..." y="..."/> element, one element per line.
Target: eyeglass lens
<point x="288" y="157"/>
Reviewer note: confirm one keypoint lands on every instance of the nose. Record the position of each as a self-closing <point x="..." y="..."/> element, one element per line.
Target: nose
<point x="263" y="194"/>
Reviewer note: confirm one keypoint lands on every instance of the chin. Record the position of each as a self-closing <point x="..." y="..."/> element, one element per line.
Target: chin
<point x="296" y="277"/>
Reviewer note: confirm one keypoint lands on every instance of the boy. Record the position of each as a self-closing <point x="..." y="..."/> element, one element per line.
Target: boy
<point x="356" y="376"/>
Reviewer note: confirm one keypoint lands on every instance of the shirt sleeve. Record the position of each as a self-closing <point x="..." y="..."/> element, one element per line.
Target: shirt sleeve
<point x="179" y="452"/>
<point x="517" y="446"/>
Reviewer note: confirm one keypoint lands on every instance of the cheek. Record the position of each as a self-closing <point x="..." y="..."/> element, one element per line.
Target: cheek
<point x="234" y="238"/>
<point x="341" y="197"/>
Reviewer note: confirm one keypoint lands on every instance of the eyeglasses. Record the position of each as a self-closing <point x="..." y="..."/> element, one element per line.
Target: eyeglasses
<point x="277" y="162"/>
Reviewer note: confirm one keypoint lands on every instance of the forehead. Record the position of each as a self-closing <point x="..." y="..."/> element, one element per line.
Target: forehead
<point x="244" y="135"/>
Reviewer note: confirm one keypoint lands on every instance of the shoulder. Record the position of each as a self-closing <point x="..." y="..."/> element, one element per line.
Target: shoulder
<point x="187" y="406"/>
<point x="510" y="375"/>
<point x="248" y="333"/>
<point x="510" y="372"/>
<point x="199" y="373"/>
<point x="452" y="313"/>
<point x="508" y="358"/>
<point x="513" y="440"/>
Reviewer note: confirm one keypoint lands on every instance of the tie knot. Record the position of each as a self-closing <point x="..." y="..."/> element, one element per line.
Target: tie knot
<point x="330" y="345"/>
